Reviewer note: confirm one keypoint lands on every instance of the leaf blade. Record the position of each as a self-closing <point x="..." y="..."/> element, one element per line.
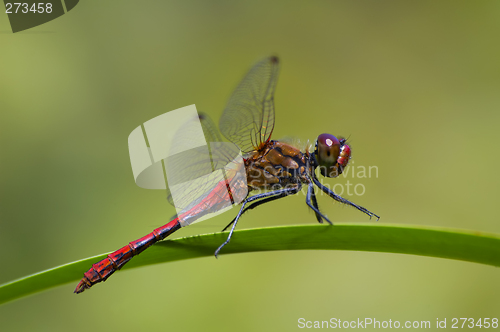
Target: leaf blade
<point x="463" y="245"/>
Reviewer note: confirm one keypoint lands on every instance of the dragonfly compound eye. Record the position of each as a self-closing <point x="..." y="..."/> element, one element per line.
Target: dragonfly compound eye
<point x="328" y="149"/>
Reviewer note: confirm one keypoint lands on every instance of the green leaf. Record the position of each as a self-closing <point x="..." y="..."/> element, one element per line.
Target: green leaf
<point x="426" y="241"/>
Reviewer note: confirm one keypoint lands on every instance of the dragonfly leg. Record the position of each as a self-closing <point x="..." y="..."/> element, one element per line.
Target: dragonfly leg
<point x="271" y="194"/>
<point x="255" y="204"/>
<point x="341" y="199"/>
<point x="314" y="206"/>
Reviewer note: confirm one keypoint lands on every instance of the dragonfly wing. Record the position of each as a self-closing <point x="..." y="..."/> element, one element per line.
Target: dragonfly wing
<point x="248" y="119"/>
<point x="192" y="162"/>
<point x="207" y="176"/>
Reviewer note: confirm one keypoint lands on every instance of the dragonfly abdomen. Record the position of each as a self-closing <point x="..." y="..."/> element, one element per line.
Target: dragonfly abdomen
<point x="101" y="271"/>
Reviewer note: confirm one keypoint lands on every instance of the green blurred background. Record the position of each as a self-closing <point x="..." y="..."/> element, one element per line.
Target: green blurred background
<point x="415" y="84"/>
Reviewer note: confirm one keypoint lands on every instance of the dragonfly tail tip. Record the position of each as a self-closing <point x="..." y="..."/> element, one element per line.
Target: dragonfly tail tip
<point x="82" y="285"/>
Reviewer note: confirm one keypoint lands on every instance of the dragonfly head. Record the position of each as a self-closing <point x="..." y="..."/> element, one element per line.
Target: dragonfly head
<point x="331" y="154"/>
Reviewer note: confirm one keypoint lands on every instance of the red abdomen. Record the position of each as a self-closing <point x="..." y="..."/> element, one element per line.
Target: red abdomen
<point x="101" y="271"/>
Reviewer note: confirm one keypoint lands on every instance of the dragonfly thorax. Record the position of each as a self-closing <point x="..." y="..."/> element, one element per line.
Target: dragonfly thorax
<point x="276" y="165"/>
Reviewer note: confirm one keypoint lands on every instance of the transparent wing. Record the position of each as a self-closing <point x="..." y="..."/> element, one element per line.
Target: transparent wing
<point x="248" y="119"/>
<point x="208" y="171"/>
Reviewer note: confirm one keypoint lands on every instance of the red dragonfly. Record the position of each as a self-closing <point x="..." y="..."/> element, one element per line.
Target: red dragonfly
<point x="276" y="168"/>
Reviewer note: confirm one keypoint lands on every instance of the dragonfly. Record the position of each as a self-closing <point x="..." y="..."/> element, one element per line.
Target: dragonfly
<point x="269" y="169"/>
